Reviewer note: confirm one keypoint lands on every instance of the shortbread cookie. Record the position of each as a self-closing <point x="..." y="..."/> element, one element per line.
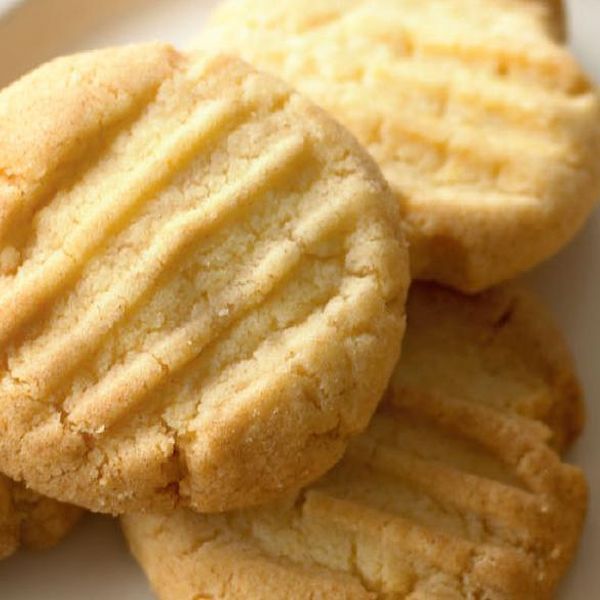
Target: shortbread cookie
<point x="203" y="285"/>
<point x="485" y="126"/>
<point x="453" y="491"/>
<point x="30" y="520"/>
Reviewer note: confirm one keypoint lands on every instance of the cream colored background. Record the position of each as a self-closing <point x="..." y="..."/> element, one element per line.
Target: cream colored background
<point x="93" y="563"/>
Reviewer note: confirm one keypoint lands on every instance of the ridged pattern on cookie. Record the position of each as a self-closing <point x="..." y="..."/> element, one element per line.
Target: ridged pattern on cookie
<point x="484" y="125"/>
<point x="203" y="280"/>
<point x="499" y="348"/>
<point x="30" y="520"/>
<point x="444" y="496"/>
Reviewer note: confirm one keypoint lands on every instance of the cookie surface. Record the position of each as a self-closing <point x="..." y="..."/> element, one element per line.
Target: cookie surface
<point x="30" y="520"/>
<point x="500" y="348"/>
<point x="454" y="494"/>
<point x="203" y="282"/>
<point x="484" y="125"/>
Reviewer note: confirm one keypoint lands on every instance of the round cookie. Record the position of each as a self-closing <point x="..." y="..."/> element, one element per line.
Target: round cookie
<point x="483" y="123"/>
<point x="30" y="520"/>
<point x="203" y="282"/>
<point x="452" y="492"/>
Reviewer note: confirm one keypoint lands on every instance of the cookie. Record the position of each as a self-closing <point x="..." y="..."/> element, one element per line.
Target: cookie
<point x="452" y="492"/>
<point x="30" y="520"/>
<point x="483" y="123"/>
<point x="203" y="284"/>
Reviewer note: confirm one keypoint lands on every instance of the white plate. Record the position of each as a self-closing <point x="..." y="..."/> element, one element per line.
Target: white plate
<point x="93" y="562"/>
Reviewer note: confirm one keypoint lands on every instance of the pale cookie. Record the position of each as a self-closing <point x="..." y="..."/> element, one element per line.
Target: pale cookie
<point x="449" y="494"/>
<point x="483" y="123"/>
<point x="30" y="520"/>
<point x="204" y="283"/>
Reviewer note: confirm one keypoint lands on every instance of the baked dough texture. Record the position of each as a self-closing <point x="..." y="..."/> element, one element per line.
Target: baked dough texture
<point x="30" y="520"/>
<point x="202" y="286"/>
<point x="453" y="492"/>
<point x="480" y="118"/>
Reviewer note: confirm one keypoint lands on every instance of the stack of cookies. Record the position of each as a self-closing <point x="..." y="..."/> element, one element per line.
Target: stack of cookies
<point x="205" y="318"/>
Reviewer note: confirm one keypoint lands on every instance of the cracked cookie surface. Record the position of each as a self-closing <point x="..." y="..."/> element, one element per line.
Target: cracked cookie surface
<point x="202" y="282"/>
<point x="30" y="520"/>
<point x="481" y="120"/>
<point x="456" y="490"/>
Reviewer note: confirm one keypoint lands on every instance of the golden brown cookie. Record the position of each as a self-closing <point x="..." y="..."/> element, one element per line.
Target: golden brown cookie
<point x="483" y="123"/>
<point x="453" y="491"/>
<point x="203" y="282"/>
<point x="30" y="520"/>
